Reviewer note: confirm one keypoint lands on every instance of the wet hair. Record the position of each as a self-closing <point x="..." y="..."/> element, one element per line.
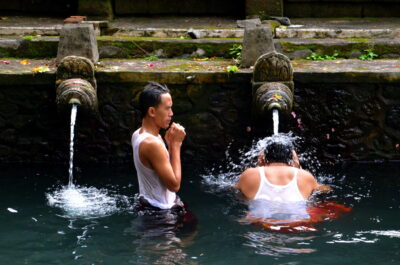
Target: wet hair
<point x="279" y="150"/>
<point x="151" y="96"/>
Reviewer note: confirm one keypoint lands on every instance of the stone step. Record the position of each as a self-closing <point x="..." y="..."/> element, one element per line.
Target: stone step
<point x="210" y="27"/>
<point x="297" y="48"/>
<point x="132" y="47"/>
<point x="295" y="31"/>
<point x="122" y="47"/>
<point x="340" y="28"/>
<point x="172" y="71"/>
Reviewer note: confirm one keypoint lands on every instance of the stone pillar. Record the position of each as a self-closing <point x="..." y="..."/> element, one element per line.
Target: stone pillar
<point x="96" y="9"/>
<point x="267" y="7"/>
<point x="78" y="40"/>
<point x="257" y="41"/>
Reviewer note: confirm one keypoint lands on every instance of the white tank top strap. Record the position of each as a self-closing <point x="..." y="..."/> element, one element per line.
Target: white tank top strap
<point x="295" y="171"/>
<point x="261" y="173"/>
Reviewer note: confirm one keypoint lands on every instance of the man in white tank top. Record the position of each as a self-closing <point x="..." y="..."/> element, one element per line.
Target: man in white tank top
<point x="278" y="188"/>
<point x="158" y="168"/>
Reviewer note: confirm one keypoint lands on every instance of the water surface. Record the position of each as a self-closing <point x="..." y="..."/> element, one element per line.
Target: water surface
<point x="36" y="231"/>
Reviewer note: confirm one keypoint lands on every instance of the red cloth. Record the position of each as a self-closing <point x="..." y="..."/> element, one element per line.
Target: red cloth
<point x="321" y="212"/>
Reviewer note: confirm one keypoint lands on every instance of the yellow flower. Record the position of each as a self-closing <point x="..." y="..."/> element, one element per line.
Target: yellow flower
<point x="24" y="62"/>
<point x="41" y="69"/>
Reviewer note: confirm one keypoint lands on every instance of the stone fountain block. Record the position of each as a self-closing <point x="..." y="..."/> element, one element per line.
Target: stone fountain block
<point x="78" y="40"/>
<point x="256" y="42"/>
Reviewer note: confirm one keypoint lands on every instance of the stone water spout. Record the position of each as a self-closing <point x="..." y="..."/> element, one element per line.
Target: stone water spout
<point x="76" y="83"/>
<point x="272" y="84"/>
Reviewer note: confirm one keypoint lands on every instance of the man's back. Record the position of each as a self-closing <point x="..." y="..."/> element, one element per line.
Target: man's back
<point x="252" y="180"/>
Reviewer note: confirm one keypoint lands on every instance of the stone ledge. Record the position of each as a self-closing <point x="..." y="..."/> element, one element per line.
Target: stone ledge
<point x="207" y="72"/>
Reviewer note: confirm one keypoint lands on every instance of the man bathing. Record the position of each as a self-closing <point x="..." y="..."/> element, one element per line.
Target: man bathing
<point x="158" y="168"/>
<point x="278" y="188"/>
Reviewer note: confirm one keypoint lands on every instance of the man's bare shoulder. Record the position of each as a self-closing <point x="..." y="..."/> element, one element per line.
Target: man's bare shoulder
<point x="248" y="177"/>
<point x="249" y="173"/>
<point x="151" y="144"/>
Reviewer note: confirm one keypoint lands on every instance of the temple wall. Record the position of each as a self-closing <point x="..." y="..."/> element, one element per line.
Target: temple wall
<point x="342" y="120"/>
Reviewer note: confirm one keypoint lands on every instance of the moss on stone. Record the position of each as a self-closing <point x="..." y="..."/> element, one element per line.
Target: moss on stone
<point x="359" y="39"/>
<point x="38" y="49"/>
<point x="141" y="47"/>
<point x="382" y="49"/>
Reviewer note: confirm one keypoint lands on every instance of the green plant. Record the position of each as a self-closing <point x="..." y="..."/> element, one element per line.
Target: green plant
<point x="236" y="52"/>
<point x="369" y="55"/>
<point x="151" y="58"/>
<point x="29" y="37"/>
<point x="317" y="57"/>
<point x="231" y="69"/>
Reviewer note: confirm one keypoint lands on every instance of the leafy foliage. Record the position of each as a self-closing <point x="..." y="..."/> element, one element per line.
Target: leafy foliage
<point x="368" y="55"/>
<point x="231" y="69"/>
<point x="317" y="57"/>
<point x="236" y="52"/>
<point x="151" y="58"/>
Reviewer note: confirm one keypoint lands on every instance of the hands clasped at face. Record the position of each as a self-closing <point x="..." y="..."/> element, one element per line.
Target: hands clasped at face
<point x="175" y="134"/>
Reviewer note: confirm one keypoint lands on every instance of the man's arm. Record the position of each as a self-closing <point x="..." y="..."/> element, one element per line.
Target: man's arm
<point x="154" y="153"/>
<point x="174" y="138"/>
<point x="248" y="183"/>
<point x="311" y="184"/>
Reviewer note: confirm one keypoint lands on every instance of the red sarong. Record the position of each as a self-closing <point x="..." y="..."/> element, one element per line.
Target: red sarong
<point x="318" y="213"/>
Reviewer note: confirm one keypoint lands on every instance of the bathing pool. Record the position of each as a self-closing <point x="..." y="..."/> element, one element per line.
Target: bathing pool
<point x="37" y="227"/>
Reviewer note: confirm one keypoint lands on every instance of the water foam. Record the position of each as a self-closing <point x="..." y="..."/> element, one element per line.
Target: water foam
<point x="87" y="202"/>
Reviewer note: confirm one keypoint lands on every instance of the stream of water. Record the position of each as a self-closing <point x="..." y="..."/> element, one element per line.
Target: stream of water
<point x="79" y="201"/>
<point x="275" y="119"/>
<point x="74" y="110"/>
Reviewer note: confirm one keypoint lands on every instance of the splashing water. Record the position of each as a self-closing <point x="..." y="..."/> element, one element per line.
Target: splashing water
<point x="225" y="176"/>
<point x="71" y="144"/>
<point x="84" y="202"/>
<point x="87" y="203"/>
<point x="275" y="119"/>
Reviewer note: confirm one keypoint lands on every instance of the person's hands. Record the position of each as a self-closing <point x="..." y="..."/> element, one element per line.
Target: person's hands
<point x="175" y="134"/>
<point x="295" y="160"/>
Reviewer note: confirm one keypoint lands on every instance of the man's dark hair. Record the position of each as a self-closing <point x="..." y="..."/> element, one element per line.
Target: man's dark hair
<point x="279" y="151"/>
<point x="151" y="96"/>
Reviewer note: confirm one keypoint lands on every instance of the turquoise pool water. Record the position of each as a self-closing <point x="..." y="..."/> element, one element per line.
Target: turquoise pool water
<point x="36" y="230"/>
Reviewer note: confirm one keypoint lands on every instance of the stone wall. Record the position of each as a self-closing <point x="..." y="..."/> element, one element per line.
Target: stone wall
<point x="347" y="120"/>
<point x="33" y="129"/>
<point x="358" y="121"/>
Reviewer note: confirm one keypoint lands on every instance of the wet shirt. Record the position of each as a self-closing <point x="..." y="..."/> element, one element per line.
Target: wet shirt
<point x="278" y="201"/>
<point x="150" y="186"/>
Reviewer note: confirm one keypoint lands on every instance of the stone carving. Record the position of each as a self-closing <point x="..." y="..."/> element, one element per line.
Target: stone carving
<point x="273" y="67"/>
<point x="273" y="95"/>
<point x="76" y="83"/>
<point x="76" y="67"/>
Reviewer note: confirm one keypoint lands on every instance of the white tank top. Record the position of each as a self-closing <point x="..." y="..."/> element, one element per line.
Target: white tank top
<point x="150" y="185"/>
<point x="284" y="193"/>
<point x="279" y="202"/>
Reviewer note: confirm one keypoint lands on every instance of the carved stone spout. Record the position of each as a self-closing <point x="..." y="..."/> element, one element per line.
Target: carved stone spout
<point x="272" y="84"/>
<point x="273" y="95"/>
<point x="76" y="83"/>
